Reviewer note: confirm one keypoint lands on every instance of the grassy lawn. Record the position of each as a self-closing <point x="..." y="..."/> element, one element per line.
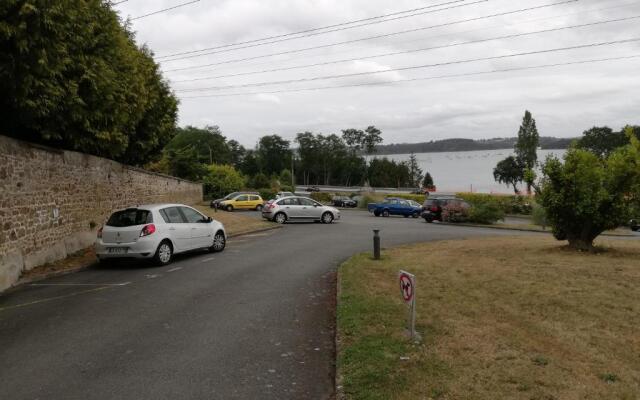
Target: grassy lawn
<point x="235" y="222"/>
<point x="500" y="318"/>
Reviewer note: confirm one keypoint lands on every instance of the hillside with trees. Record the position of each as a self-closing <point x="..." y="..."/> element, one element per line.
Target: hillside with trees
<point x="446" y="145"/>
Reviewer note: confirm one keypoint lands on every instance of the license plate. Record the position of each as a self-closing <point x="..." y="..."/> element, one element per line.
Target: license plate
<point x="117" y="250"/>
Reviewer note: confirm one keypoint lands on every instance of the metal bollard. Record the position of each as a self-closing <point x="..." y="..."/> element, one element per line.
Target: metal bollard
<point x="376" y="244"/>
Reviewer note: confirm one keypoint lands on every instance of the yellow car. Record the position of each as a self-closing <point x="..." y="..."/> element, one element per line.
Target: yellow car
<point x="243" y="202"/>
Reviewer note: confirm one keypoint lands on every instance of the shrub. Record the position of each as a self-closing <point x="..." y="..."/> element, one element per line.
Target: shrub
<point x="455" y="213"/>
<point x="322" y="197"/>
<point x="369" y="198"/>
<point x="510" y="204"/>
<point x="539" y="215"/>
<point x="267" y="193"/>
<point x="486" y="213"/>
<point x="586" y="195"/>
<point x="415" y="197"/>
<point x="260" y="181"/>
<point x="222" y="179"/>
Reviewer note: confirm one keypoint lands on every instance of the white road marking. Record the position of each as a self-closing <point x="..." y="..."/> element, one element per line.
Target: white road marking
<point x="80" y="284"/>
<point x="207" y="259"/>
<point x="174" y="269"/>
<point x="54" y="298"/>
<point x="153" y="276"/>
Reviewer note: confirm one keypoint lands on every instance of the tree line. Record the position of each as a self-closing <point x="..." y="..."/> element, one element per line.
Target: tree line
<point x="309" y="159"/>
<point x="72" y="77"/>
<point x="456" y="144"/>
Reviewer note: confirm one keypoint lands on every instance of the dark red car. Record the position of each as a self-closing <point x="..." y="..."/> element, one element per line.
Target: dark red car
<point x="433" y="205"/>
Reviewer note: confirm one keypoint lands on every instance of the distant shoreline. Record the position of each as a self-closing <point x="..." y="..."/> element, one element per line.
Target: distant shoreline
<point x="458" y="145"/>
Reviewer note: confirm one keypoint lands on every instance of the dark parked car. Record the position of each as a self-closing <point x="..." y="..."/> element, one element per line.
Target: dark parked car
<point x="635" y="225"/>
<point x="432" y="207"/>
<point x="343" y="201"/>
<point x="313" y="189"/>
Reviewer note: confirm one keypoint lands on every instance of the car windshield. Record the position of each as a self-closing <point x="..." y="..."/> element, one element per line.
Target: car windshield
<point x="130" y="217"/>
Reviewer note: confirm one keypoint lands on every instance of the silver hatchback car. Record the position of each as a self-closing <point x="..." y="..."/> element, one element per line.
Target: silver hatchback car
<point x="295" y="208"/>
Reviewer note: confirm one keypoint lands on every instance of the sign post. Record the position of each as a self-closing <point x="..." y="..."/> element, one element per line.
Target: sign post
<point x="408" y="290"/>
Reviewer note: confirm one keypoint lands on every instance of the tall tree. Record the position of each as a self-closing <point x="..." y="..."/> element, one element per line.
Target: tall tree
<point x="209" y="144"/>
<point x="509" y="171"/>
<point x="273" y="154"/>
<point x="428" y="181"/>
<point x="71" y="76"/>
<point x="372" y="138"/>
<point x="236" y="152"/>
<point x="526" y="148"/>
<point x="184" y="164"/>
<point x="602" y="141"/>
<point x="415" y="172"/>
<point x="354" y="139"/>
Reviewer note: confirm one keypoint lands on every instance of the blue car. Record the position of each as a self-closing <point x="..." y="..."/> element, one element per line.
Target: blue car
<point x="395" y="206"/>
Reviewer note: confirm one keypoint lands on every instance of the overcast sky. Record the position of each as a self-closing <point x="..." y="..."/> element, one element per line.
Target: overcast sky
<point x="564" y="100"/>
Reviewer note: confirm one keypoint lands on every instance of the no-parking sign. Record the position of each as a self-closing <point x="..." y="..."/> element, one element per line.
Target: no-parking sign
<point x="407" y="286"/>
<point x="408" y="290"/>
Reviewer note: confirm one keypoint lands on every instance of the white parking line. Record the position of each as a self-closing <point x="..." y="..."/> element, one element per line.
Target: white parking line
<point x="54" y="298"/>
<point x="80" y="284"/>
<point x="174" y="269"/>
<point x="208" y="259"/>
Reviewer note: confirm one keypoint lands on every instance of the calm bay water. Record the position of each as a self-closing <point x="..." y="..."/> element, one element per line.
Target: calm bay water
<point x="467" y="170"/>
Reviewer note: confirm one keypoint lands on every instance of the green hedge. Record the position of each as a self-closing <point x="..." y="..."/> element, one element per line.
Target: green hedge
<point x="509" y="204"/>
<point x="322" y="197"/>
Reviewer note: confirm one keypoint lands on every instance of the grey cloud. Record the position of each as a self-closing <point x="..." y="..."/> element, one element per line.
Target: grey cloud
<point x="565" y="100"/>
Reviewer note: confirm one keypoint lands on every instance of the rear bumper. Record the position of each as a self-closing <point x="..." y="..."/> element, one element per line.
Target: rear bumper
<point x="140" y="249"/>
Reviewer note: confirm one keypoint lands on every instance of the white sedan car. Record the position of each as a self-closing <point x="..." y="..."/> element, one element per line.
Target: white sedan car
<point x="158" y="231"/>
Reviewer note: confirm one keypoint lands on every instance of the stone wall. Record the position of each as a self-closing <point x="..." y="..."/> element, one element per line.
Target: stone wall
<point x="53" y="201"/>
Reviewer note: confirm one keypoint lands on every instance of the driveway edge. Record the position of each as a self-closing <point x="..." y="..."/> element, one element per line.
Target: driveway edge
<point x="26" y="281"/>
<point x="498" y="227"/>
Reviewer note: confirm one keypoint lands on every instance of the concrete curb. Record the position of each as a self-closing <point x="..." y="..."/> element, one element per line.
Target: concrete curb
<point x="23" y="281"/>
<point x="498" y="227"/>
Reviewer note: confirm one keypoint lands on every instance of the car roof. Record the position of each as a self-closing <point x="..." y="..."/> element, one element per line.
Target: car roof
<point x="156" y="206"/>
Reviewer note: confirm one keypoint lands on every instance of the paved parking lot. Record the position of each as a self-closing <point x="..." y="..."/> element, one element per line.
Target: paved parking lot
<point x="255" y="321"/>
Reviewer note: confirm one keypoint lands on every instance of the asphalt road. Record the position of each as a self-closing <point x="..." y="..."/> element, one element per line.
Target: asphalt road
<point x="254" y="322"/>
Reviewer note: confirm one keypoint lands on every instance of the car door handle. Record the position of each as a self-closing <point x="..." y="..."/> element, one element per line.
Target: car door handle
<point x="193" y="229"/>
<point x="172" y="229"/>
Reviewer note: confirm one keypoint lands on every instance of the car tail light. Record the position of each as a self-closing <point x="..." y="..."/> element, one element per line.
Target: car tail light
<point x="100" y="233"/>
<point x="434" y="208"/>
<point x="148" y="230"/>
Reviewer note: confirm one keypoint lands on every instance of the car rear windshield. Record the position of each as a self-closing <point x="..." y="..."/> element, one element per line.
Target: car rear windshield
<point x="130" y="217"/>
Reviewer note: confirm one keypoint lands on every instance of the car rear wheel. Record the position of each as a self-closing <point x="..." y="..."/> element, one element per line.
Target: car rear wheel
<point x="415" y="215"/>
<point x="385" y="213"/>
<point x="327" y="218"/>
<point x="219" y="242"/>
<point x="259" y="207"/>
<point x="428" y="218"/>
<point x="376" y="213"/>
<point x="280" y="218"/>
<point x="229" y="208"/>
<point x="164" y="253"/>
